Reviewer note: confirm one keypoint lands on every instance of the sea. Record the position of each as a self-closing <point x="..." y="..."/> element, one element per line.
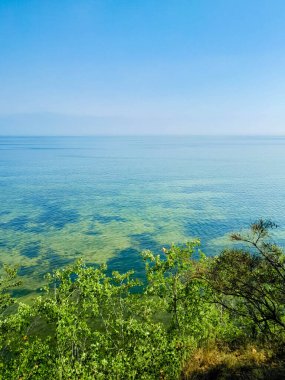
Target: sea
<point x="105" y="199"/>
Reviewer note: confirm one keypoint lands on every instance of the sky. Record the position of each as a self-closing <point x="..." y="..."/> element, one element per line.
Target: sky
<point x="124" y="67"/>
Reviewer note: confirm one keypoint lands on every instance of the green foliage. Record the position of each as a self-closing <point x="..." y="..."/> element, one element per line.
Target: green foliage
<point x="180" y="291"/>
<point x="7" y="282"/>
<point x="97" y="328"/>
<point x="249" y="282"/>
<point x="88" y="325"/>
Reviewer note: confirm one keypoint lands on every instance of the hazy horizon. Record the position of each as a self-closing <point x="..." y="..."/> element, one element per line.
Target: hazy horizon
<point x="146" y="135"/>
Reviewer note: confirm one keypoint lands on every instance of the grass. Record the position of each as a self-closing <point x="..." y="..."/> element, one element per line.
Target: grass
<point x="250" y="363"/>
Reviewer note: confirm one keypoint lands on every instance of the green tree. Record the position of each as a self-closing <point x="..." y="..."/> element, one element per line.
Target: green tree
<point x="249" y="281"/>
<point x="178" y="289"/>
<point x="8" y="281"/>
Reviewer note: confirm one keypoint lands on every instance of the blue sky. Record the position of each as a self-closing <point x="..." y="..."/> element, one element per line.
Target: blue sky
<point x="142" y="67"/>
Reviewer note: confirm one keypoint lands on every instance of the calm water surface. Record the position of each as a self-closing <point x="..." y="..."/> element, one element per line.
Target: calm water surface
<point x="107" y="198"/>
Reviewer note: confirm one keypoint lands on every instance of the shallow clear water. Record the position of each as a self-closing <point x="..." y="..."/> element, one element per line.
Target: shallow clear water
<point x="108" y="198"/>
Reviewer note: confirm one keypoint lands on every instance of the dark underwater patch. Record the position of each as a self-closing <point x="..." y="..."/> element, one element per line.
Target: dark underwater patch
<point x="210" y="228"/>
<point x="57" y="261"/>
<point x="3" y="213"/>
<point x="46" y="199"/>
<point x="2" y="244"/>
<point x="105" y="219"/>
<point x="31" y="250"/>
<point x="145" y="241"/>
<point x="126" y="259"/>
<point x="27" y="270"/>
<point x="57" y="217"/>
<point x="92" y="233"/>
<point x="20" y="292"/>
<point x="17" y="224"/>
<point x="36" y="229"/>
<point x="52" y="216"/>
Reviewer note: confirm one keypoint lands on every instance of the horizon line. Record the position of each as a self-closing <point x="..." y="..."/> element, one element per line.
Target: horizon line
<point x="149" y="135"/>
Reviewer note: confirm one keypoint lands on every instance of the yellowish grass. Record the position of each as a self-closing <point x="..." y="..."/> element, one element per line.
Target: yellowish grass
<point x="206" y="361"/>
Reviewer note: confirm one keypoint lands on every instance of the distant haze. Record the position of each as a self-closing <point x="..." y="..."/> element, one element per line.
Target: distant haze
<point x="110" y="67"/>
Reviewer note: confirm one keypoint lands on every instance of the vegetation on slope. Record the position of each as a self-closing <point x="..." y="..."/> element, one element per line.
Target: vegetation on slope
<point x="221" y="317"/>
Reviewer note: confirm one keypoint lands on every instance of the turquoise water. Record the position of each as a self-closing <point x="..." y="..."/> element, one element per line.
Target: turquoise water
<point x="107" y="198"/>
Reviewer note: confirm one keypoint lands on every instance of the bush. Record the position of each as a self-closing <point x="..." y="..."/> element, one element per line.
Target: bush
<point x="250" y="282"/>
<point x="88" y="325"/>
